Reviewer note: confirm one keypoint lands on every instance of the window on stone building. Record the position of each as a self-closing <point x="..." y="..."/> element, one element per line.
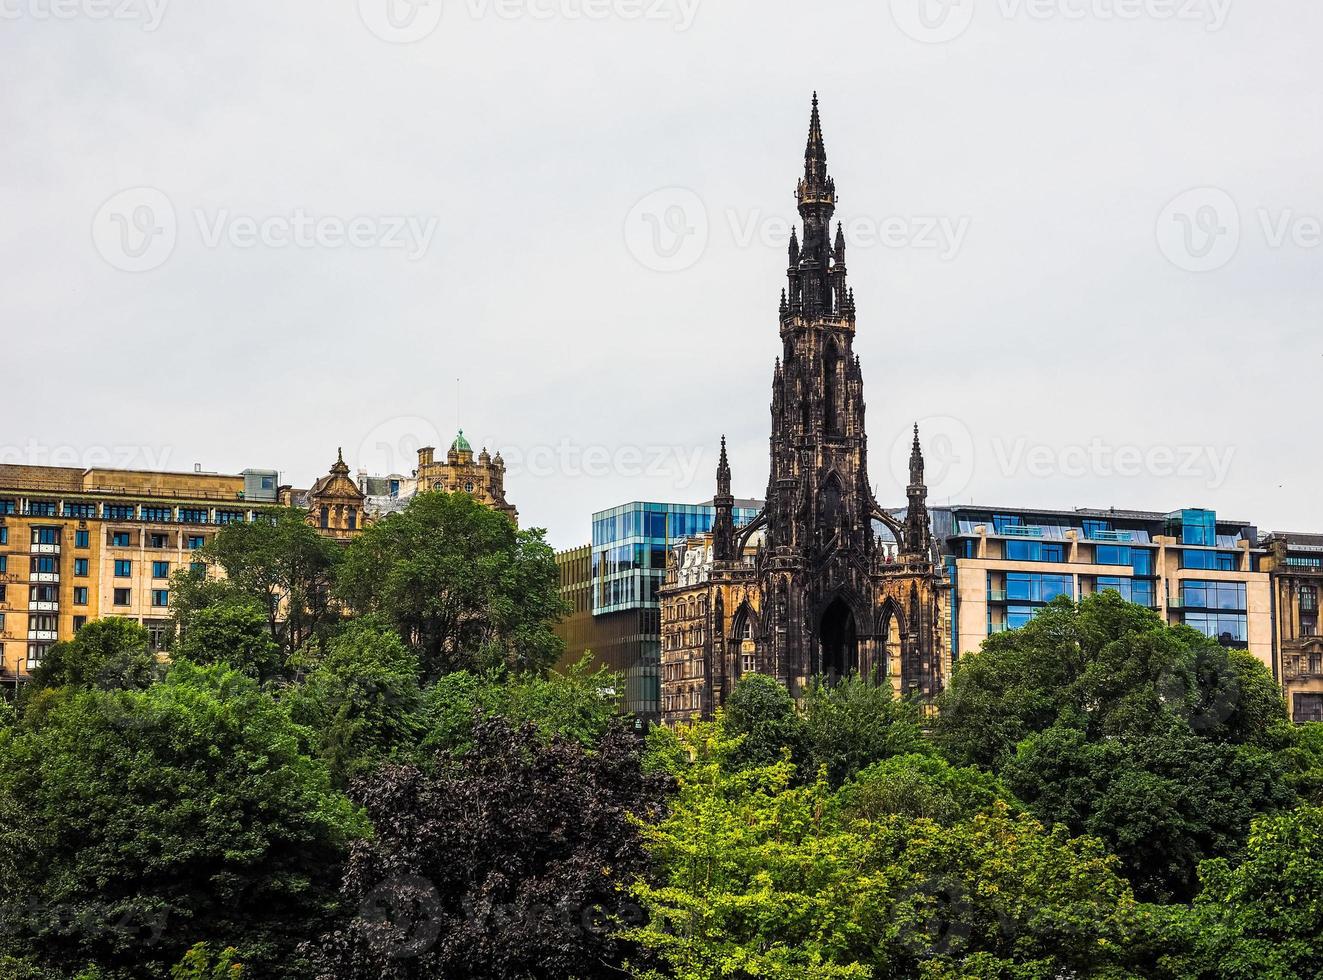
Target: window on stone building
<point x="123" y="597"/>
<point x="1308" y="598"/>
<point x="325" y="517"/>
<point x="1308" y="707"/>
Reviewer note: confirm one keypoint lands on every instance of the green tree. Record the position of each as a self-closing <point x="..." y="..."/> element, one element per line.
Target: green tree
<point x="579" y="705"/>
<point x="234" y="634"/>
<point x="361" y="699"/>
<point x="923" y="786"/>
<point x="466" y="588"/>
<point x="1109" y="668"/>
<point x="854" y="723"/>
<point x="1261" y="919"/>
<point x="200" y="964"/>
<point x="154" y="819"/>
<point x="1162" y="802"/>
<point x="1154" y="738"/>
<point x="106" y="653"/>
<point x="280" y="564"/>
<point x="756" y="876"/>
<point x="762" y="720"/>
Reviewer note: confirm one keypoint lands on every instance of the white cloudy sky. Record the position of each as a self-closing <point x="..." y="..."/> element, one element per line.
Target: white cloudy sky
<point x="1034" y="278"/>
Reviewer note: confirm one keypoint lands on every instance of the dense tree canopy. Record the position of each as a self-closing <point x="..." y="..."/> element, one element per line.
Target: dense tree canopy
<point x="1261" y="919"/>
<point x="390" y="785"/>
<point x="1107" y="668"/>
<point x="758" y="877"/>
<point x="361" y="699"/>
<point x="465" y="587"/>
<point x="840" y="728"/>
<point x="152" y="819"/>
<point x="281" y="565"/>
<point x="507" y="861"/>
<point x="1153" y="738"/>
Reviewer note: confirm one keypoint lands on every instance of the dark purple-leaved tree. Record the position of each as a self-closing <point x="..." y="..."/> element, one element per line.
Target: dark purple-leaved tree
<point x="510" y="860"/>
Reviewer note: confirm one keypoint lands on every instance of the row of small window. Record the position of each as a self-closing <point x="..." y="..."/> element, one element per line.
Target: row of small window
<point x="118" y="539"/>
<point x="1033" y="587"/>
<point x="125" y="512"/>
<point x="50" y="594"/>
<point x="1139" y="559"/>
<point x="124" y="568"/>
<point x="1005" y="525"/>
<point x="124" y="539"/>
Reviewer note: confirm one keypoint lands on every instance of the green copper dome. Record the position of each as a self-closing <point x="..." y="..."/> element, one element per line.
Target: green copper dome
<point x="460" y="445"/>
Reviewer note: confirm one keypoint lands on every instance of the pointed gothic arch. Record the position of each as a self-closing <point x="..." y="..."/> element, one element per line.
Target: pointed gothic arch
<point x="744" y="630"/>
<point x="890" y="642"/>
<point x="838" y="641"/>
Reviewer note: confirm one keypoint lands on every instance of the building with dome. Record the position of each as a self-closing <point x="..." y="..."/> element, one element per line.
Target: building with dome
<point x="340" y="505"/>
<point x="481" y="477"/>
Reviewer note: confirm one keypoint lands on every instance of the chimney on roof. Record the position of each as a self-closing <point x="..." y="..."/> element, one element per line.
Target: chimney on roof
<point x="197" y="467"/>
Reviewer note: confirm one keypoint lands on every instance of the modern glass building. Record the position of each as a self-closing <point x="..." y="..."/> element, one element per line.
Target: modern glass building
<point x="630" y="546"/>
<point x="611" y="586"/>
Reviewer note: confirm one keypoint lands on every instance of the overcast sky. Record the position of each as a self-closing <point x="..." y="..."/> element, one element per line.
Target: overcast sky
<point x="1085" y="240"/>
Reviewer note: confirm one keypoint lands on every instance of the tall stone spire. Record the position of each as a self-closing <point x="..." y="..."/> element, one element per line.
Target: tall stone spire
<point x="813" y="287"/>
<point x="916" y="460"/>
<point x="918" y="525"/>
<point x="723" y="523"/>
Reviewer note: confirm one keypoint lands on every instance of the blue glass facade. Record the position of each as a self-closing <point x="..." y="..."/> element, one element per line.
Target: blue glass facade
<point x="630" y="546"/>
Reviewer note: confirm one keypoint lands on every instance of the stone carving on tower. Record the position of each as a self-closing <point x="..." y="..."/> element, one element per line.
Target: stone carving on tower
<point x="824" y="582"/>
